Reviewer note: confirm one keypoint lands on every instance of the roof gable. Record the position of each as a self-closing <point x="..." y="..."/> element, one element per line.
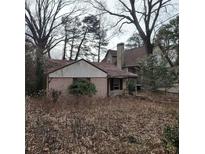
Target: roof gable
<point x="80" y="68"/>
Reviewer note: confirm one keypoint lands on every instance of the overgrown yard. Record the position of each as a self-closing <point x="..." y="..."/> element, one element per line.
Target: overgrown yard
<point x="110" y="125"/>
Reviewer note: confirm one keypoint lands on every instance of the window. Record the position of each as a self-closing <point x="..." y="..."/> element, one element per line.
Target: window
<point x="77" y="79"/>
<point x="115" y="84"/>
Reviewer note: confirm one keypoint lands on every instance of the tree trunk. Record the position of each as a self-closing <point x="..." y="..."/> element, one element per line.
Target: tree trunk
<point x="164" y="52"/>
<point x="148" y="47"/>
<point x="177" y="60"/>
<point x="71" y="49"/>
<point x="99" y="52"/>
<point x="40" y="81"/>
<point x="49" y="54"/>
<point x="79" y="47"/>
<point x="64" y="48"/>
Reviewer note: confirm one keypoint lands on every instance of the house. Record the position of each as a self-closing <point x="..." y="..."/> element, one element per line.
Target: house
<point x="129" y="58"/>
<point x="109" y="78"/>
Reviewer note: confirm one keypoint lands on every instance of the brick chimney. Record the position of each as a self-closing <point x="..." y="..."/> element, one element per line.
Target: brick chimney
<point x="120" y="55"/>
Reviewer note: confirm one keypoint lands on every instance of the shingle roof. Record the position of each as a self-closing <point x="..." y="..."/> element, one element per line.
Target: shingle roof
<point x="131" y="55"/>
<point x="134" y="55"/>
<point x="54" y="64"/>
<point x="114" y="71"/>
<point x="110" y="69"/>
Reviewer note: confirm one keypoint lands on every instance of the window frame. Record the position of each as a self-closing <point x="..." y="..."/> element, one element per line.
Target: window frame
<point x="81" y="78"/>
<point x="116" y="84"/>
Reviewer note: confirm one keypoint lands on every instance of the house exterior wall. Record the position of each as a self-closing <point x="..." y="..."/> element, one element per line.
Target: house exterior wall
<point x="101" y="86"/>
<point x="61" y="79"/>
<point x="111" y="59"/>
<point x="62" y="84"/>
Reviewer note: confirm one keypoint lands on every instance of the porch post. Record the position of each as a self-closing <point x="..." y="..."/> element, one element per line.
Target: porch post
<point x="108" y="87"/>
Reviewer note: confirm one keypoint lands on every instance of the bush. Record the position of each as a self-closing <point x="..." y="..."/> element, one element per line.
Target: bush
<point x="171" y="138"/>
<point x="30" y="87"/>
<point x="155" y="73"/>
<point x="55" y="95"/>
<point x="131" y="86"/>
<point x="82" y="87"/>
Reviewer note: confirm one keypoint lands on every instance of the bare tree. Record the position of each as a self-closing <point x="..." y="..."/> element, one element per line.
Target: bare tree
<point x="42" y="20"/>
<point x="143" y="14"/>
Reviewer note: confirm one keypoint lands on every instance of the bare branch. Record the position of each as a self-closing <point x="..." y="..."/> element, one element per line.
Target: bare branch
<point x="118" y="22"/>
<point x="102" y="8"/>
<point x="126" y="22"/>
<point x="54" y="45"/>
<point x="161" y="4"/>
<point x="128" y="9"/>
<point x="43" y="21"/>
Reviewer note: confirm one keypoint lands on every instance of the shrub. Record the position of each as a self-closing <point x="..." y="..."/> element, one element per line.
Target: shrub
<point x="55" y="95"/>
<point x="30" y="87"/>
<point x="82" y="87"/>
<point x="131" y="86"/>
<point x="155" y="73"/>
<point x="171" y="138"/>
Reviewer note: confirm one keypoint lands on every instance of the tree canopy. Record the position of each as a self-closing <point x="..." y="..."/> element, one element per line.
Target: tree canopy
<point x="83" y="35"/>
<point x="134" y="41"/>
<point x="167" y="39"/>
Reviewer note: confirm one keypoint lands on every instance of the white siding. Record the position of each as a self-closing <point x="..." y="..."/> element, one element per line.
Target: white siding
<point x="79" y="69"/>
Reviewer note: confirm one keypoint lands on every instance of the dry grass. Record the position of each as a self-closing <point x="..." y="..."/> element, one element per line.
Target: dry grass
<point x="110" y="125"/>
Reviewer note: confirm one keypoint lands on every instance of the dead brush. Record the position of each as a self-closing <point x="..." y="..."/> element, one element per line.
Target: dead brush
<point x="80" y="102"/>
<point x="80" y="128"/>
<point x="96" y="125"/>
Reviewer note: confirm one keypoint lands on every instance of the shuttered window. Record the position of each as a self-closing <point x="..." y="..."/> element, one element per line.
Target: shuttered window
<point x="115" y="84"/>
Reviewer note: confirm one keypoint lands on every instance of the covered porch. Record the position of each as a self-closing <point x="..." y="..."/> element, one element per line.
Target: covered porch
<point x="118" y="85"/>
